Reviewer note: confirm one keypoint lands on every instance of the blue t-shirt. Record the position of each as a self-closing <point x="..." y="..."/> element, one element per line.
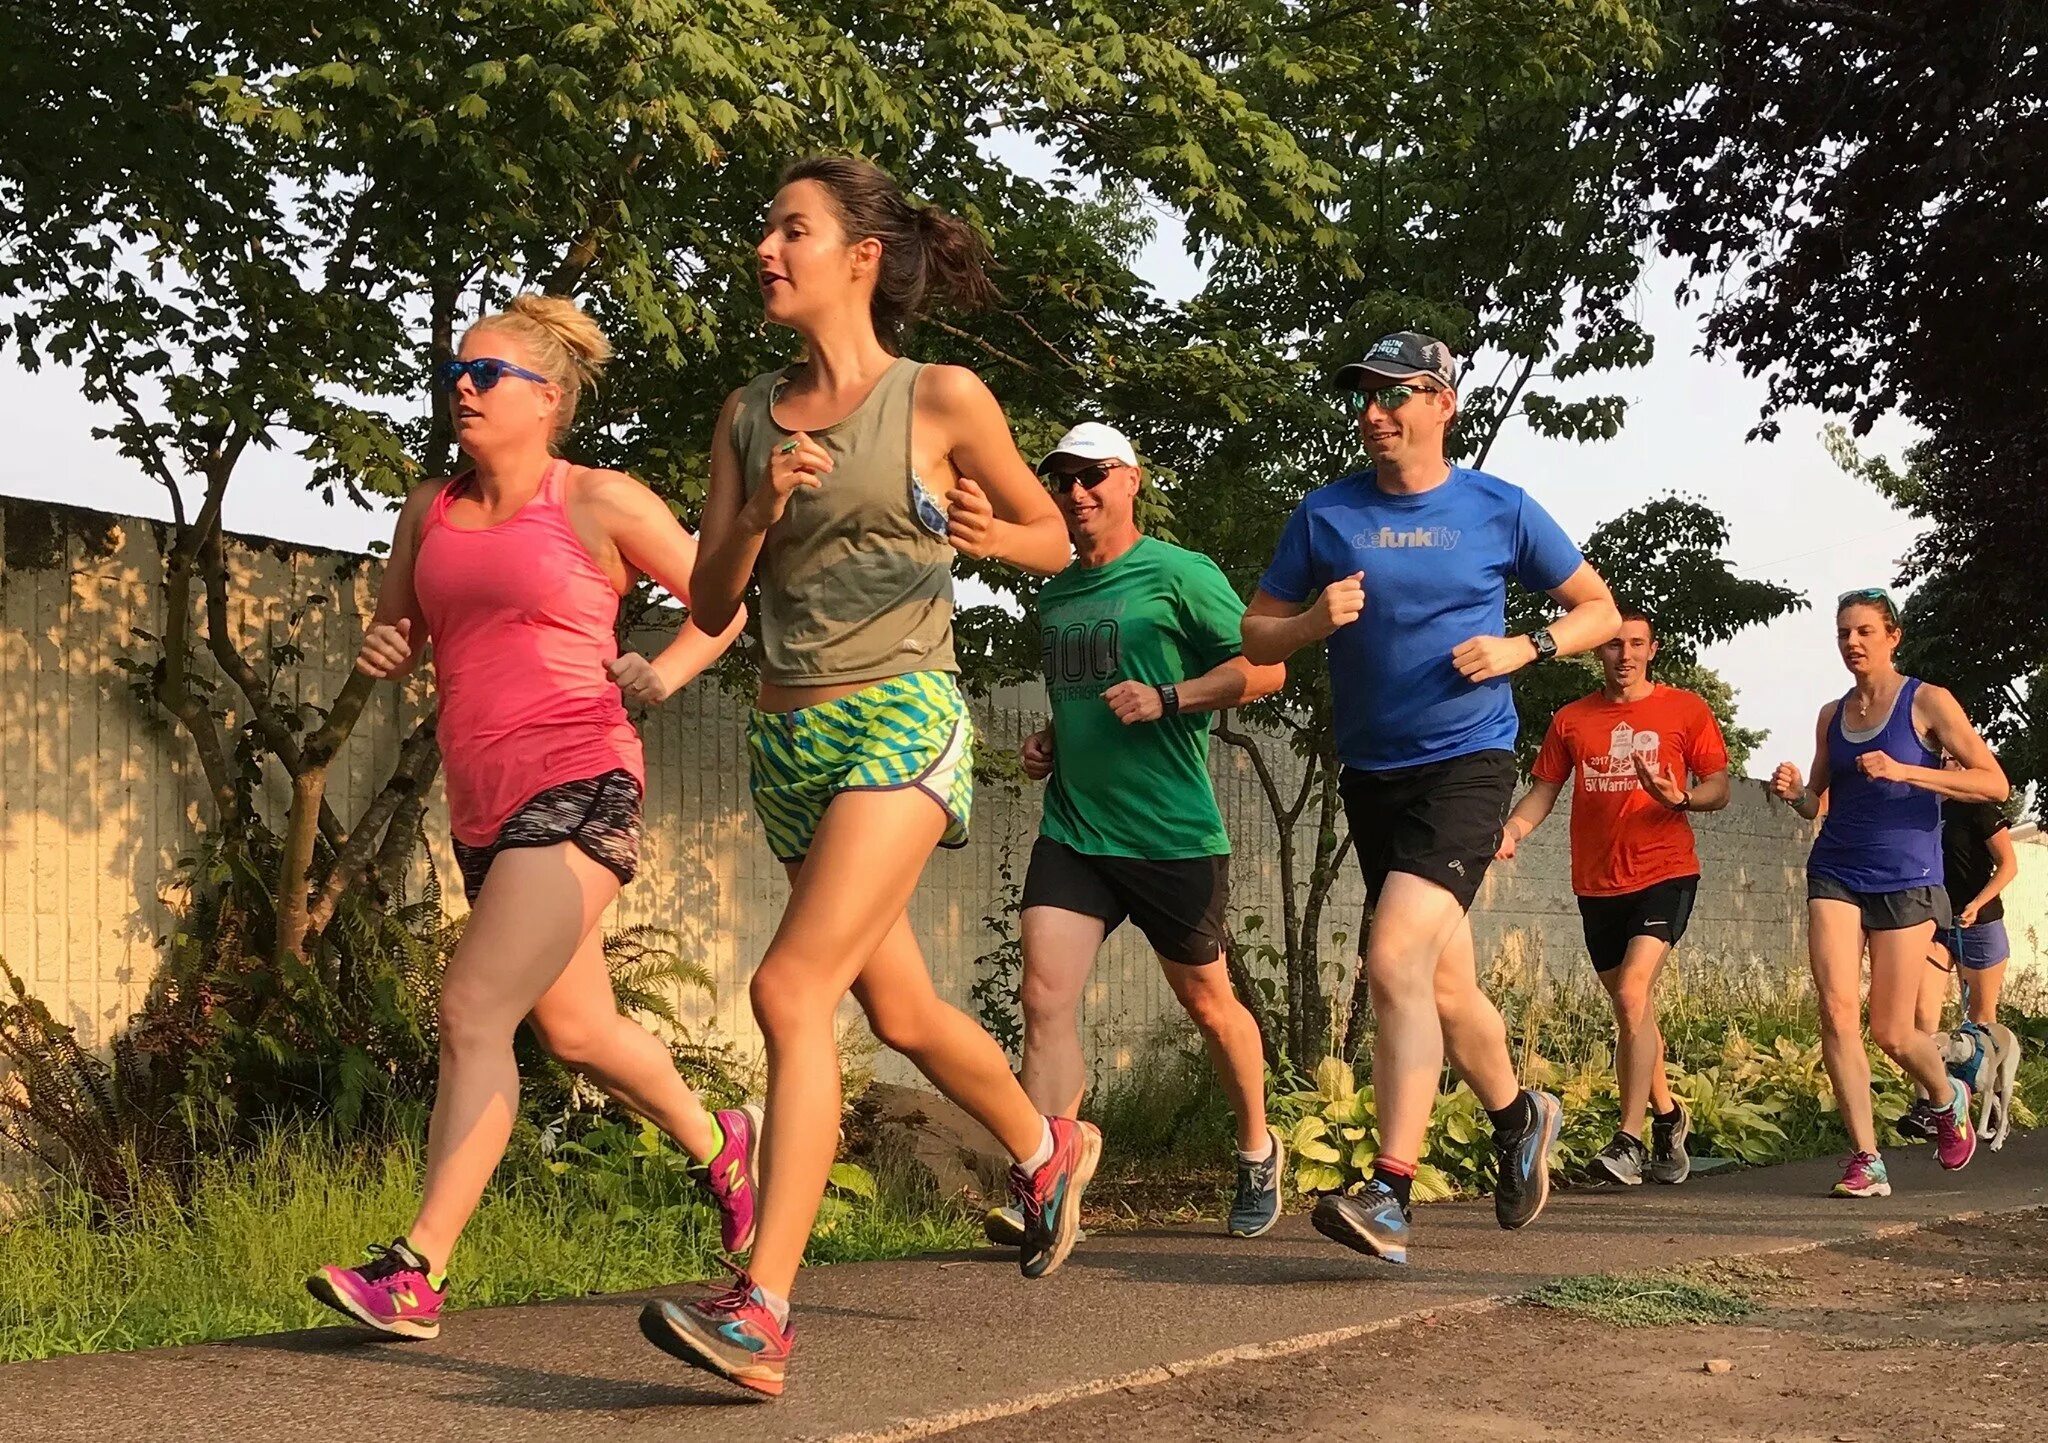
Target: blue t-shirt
<point x="1436" y="567"/>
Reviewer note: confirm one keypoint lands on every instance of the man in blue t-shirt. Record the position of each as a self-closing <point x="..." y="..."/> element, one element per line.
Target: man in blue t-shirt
<point x="1411" y="558"/>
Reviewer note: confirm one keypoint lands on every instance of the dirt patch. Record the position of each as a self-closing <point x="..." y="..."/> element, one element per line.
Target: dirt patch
<point x="1938" y="1335"/>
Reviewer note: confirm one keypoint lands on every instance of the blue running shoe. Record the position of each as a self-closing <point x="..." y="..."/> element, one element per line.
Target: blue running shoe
<point x="1522" y="1171"/>
<point x="1373" y="1222"/>
<point x="1257" y="1205"/>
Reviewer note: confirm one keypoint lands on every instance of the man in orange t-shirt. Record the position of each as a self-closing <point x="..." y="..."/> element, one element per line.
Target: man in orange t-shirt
<point x="1632" y="744"/>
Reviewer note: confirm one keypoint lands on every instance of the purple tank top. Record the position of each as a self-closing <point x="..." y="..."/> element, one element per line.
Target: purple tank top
<point x="1879" y="836"/>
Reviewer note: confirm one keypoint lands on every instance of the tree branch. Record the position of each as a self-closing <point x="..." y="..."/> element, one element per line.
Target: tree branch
<point x="419" y="757"/>
<point x="994" y="350"/>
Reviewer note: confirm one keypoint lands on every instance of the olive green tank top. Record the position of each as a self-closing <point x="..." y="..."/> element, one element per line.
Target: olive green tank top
<point x="857" y="576"/>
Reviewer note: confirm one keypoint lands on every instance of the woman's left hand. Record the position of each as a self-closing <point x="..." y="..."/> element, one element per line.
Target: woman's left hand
<point x="635" y="676"/>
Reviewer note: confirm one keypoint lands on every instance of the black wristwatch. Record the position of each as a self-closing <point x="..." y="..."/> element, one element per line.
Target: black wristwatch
<point x="1169" y="699"/>
<point x="1546" y="644"/>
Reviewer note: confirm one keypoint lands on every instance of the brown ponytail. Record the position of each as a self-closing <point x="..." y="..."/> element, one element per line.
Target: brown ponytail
<point x="929" y="256"/>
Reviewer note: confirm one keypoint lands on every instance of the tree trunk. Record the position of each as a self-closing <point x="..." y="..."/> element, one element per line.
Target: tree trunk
<point x="309" y="790"/>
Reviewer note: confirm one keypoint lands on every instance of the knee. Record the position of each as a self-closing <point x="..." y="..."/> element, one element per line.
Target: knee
<point x="1044" y="1002"/>
<point x="1211" y="1008"/>
<point x="1632" y="1009"/>
<point x="575" y="1044"/>
<point x="1839" y="1018"/>
<point x="1395" y="981"/>
<point x="900" y="1026"/>
<point x="472" y="1025"/>
<point x="785" y="1004"/>
<point x="1893" y="1038"/>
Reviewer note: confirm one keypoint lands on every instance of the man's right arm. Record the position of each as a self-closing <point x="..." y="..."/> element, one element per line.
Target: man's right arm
<point x="1528" y="815"/>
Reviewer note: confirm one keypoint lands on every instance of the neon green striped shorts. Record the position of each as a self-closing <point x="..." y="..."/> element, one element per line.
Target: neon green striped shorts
<point x="908" y="731"/>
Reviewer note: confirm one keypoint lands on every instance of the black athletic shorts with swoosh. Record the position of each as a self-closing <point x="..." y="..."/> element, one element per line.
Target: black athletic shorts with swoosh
<point x="1660" y="910"/>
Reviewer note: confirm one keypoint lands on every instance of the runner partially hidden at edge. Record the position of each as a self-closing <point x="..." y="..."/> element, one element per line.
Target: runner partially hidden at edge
<point x="1875" y="874"/>
<point x="826" y="479"/>
<point x="1140" y="642"/>
<point x="1635" y="870"/>
<point x="1411" y="557"/>
<point x="514" y="571"/>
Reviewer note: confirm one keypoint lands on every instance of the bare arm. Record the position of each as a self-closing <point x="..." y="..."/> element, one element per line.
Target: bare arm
<point x="1529" y="813"/>
<point x="653" y="542"/>
<point x="397" y="632"/>
<point x="729" y="542"/>
<point x="1232" y="683"/>
<point x="1274" y="629"/>
<point x="1709" y="794"/>
<point x="1590" y="618"/>
<point x="999" y="510"/>
<point x="1807" y="797"/>
<point x="1937" y="714"/>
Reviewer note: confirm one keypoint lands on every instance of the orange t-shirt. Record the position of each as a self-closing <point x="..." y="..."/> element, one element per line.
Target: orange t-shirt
<point x="1624" y="839"/>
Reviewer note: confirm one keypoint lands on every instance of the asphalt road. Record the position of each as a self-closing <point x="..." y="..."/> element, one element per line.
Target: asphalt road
<point x="907" y="1349"/>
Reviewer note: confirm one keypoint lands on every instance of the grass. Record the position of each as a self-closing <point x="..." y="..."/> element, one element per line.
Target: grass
<point x="231" y="1260"/>
<point x="1643" y="1300"/>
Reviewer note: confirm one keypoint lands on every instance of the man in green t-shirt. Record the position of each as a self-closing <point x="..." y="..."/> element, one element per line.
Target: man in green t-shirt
<point x="1140" y="642"/>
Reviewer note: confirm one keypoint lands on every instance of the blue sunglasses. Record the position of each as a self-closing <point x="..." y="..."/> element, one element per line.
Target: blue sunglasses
<point x="484" y="372"/>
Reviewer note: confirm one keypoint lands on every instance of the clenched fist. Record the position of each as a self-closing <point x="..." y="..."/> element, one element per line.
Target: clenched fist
<point x="970" y="519"/>
<point x="1486" y="658"/>
<point x="1135" y="701"/>
<point x="1342" y="602"/>
<point x="634" y="675"/>
<point x="1036" y="755"/>
<point x="386" y="650"/>
<point x="1787" y="785"/>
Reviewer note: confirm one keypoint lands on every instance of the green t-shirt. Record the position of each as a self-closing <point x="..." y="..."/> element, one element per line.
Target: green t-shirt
<point x="1156" y="614"/>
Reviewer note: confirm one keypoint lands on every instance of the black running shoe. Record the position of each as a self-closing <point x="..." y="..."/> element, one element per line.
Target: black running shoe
<point x="1522" y="1163"/>
<point x="1622" y="1160"/>
<point x="1918" y="1123"/>
<point x="1670" y="1163"/>
<point x="1374" y="1222"/>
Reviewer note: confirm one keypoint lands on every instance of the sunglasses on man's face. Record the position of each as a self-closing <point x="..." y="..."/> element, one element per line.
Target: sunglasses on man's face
<point x="484" y="372"/>
<point x="1391" y="398"/>
<point x="1091" y="477"/>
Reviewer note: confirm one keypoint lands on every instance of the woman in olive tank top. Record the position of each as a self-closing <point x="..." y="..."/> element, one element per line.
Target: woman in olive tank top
<point x="846" y="483"/>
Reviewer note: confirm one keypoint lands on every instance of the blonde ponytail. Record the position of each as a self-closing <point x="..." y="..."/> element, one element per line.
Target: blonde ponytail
<point x="567" y="343"/>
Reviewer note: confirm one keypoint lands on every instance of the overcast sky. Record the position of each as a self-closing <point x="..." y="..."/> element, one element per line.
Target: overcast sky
<point x="1794" y="517"/>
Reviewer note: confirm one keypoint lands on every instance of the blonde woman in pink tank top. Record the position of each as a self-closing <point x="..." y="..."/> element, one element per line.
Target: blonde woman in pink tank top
<point x="846" y="484"/>
<point x="513" y="570"/>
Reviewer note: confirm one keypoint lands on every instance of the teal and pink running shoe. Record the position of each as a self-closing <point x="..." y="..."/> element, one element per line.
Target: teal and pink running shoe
<point x="1864" y="1177"/>
<point x="733" y="1173"/>
<point x="732" y="1334"/>
<point x="1955" y="1136"/>
<point x="394" y="1292"/>
<point x="1050" y="1199"/>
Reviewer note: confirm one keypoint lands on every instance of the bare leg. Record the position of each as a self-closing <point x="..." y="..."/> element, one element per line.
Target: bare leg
<point x="845" y="900"/>
<point x="1981" y="986"/>
<point x="1412" y="925"/>
<point x="1898" y="962"/>
<point x="1059" y="953"/>
<point x="950" y="1048"/>
<point x="1475" y="1036"/>
<point x="579" y="1022"/>
<point x="1639" y="1045"/>
<point x="1834" y="946"/>
<point x="1933" y="997"/>
<point x="1232" y="1036"/>
<point x="536" y="905"/>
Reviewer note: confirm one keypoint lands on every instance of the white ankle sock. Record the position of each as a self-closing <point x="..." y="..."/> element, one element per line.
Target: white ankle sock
<point x="778" y="1306"/>
<point x="1265" y="1151"/>
<point x="1043" y="1156"/>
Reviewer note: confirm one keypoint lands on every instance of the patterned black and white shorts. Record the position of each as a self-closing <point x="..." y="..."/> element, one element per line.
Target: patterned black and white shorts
<point x="601" y="815"/>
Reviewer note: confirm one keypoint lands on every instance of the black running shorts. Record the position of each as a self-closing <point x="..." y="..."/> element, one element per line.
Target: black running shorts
<point x="1440" y="821"/>
<point x="1660" y="910"/>
<point x="1886" y="911"/>
<point x="601" y="815"/>
<point x="1177" y="904"/>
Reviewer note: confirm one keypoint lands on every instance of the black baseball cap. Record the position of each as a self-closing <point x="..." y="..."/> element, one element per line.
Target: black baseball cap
<point x="1396" y="358"/>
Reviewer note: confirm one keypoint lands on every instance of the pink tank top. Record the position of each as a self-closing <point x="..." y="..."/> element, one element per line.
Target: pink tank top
<point x="521" y="619"/>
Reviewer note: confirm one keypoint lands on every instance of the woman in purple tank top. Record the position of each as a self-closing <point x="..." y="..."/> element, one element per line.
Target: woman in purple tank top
<point x="1875" y="877"/>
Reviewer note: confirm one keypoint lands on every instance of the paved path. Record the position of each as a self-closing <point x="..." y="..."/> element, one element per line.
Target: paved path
<point x="903" y="1349"/>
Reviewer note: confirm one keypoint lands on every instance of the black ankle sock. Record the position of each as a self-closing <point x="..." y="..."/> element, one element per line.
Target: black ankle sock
<point x="1514" y="1119"/>
<point x="1666" y="1117"/>
<point x="1400" y="1184"/>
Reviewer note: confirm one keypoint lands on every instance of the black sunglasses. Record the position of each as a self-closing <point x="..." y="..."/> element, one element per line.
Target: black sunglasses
<point x="1091" y="477"/>
<point x="1391" y="398"/>
<point x="484" y="372"/>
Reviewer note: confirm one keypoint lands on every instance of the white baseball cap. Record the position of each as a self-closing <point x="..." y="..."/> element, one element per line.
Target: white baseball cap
<point x="1093" y="441"/>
